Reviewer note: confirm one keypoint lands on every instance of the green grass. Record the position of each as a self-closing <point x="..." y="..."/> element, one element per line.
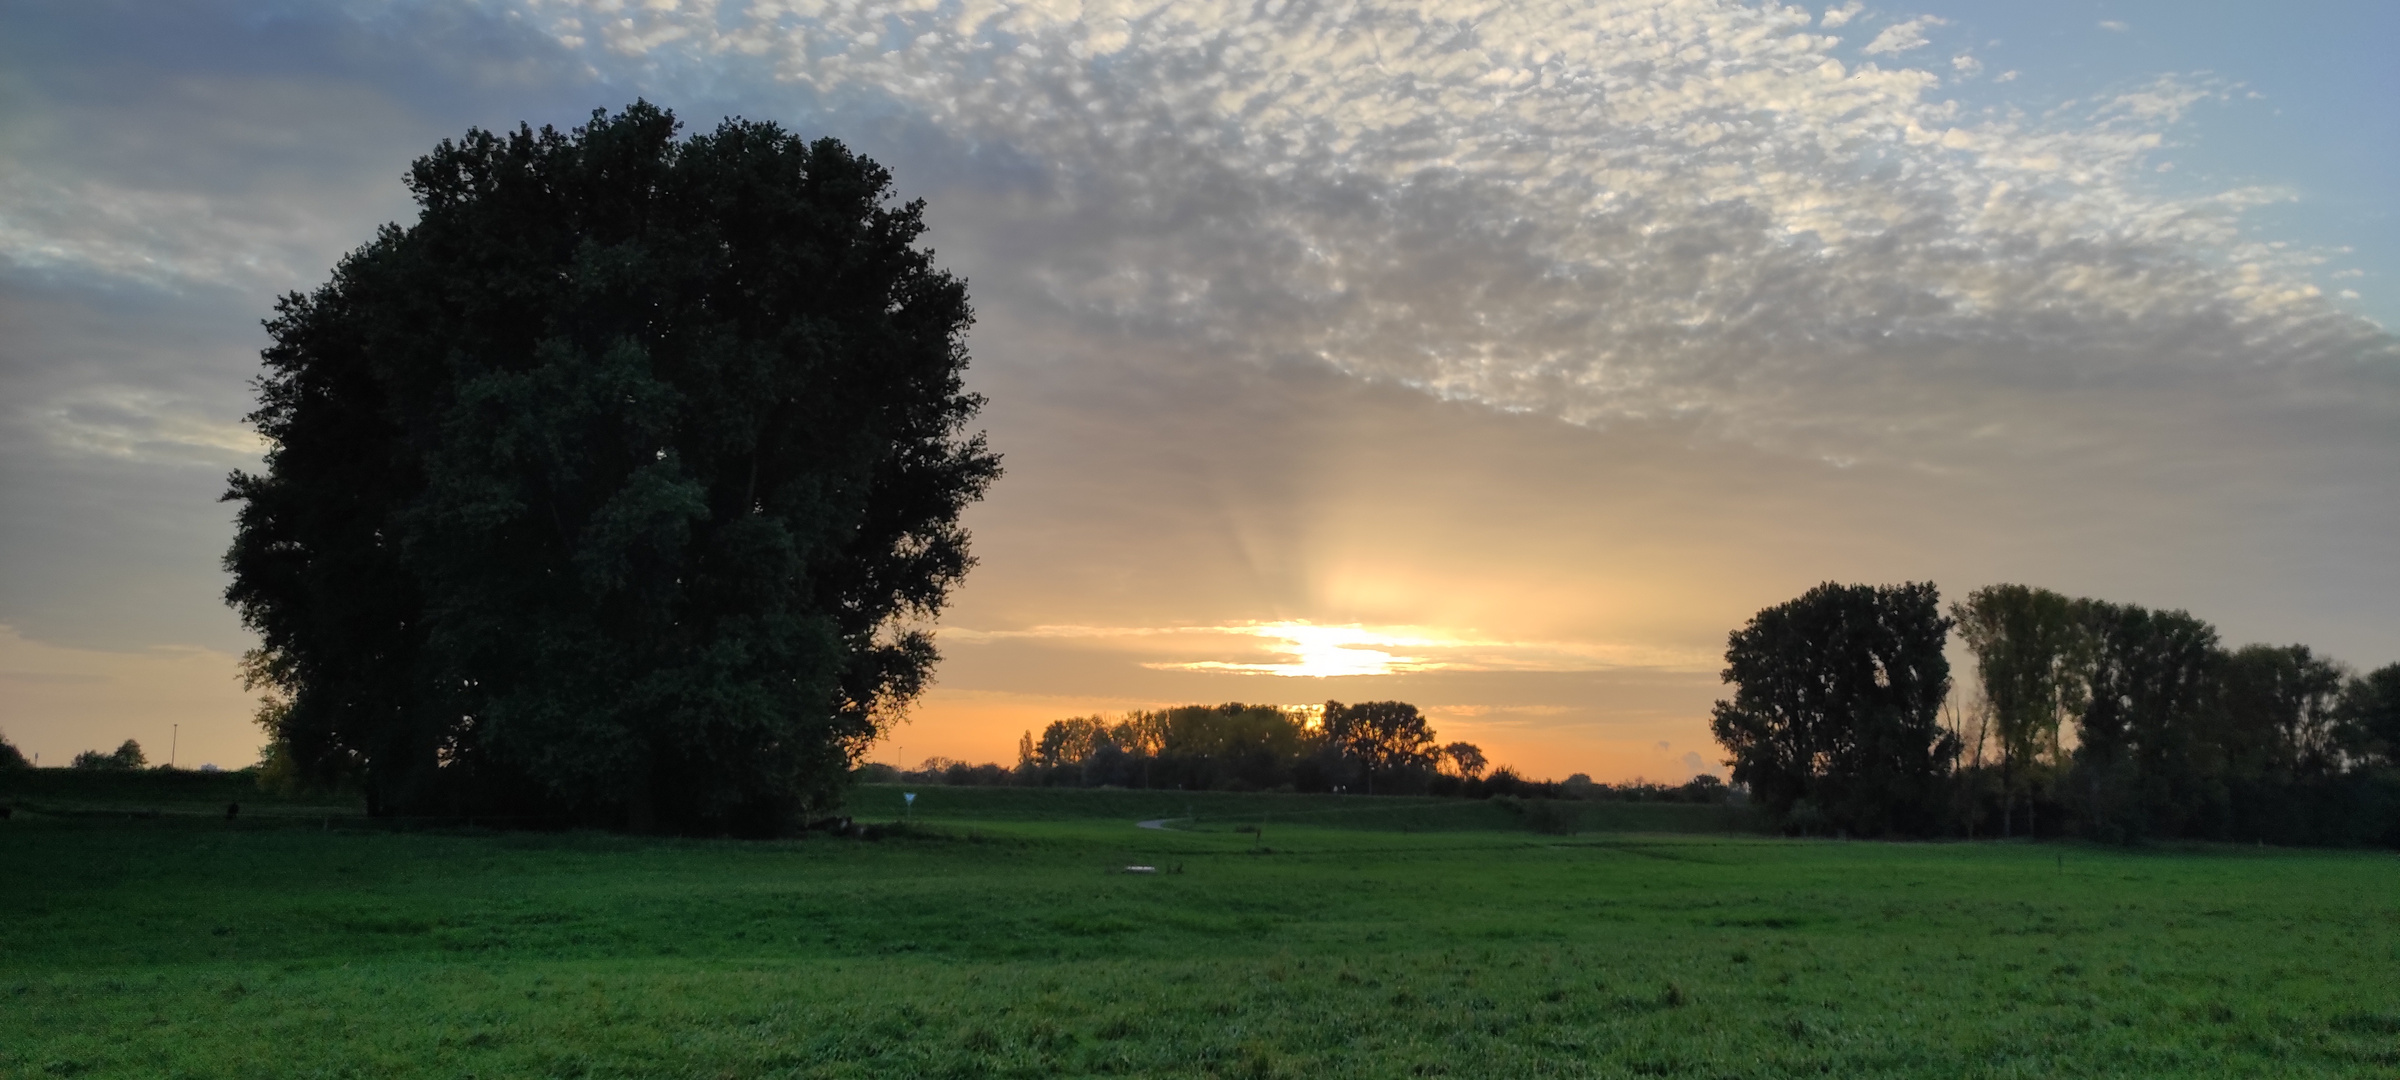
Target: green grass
<point x="1223" y="811"/>
<point x="181" y="792"/>
<point x="1001" y="938"/>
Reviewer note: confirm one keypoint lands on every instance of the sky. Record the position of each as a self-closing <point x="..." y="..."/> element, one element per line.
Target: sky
<point x="1497" y="357"/>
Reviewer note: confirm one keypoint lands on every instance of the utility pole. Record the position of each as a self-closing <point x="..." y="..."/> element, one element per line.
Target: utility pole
<point x="174" y="739"/>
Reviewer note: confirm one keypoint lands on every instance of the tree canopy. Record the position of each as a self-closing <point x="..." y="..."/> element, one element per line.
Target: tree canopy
<point x="1836" y="715"/>
<point x="1384" y="737"/>
<point x="2175" y="733"/>
<point x="126" y="757"/>
<point x="619" y="486"/>
<point x="2029" y="645"/>
<point x="1386" y="747"/>
<point x="2371" y="716"/>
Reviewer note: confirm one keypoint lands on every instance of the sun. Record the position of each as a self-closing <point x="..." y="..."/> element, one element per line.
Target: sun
<point x="1327" y="651"/>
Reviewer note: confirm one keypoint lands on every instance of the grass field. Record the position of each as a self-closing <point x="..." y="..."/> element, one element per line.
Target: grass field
<point x="1000" y="937"/>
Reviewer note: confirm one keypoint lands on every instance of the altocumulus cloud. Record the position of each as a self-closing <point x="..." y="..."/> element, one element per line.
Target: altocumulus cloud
<point x="1695" y="212"/>
<point x="1755" y="221"/>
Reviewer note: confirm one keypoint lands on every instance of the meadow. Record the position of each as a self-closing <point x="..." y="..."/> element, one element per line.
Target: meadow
<point x="998" y="934"/>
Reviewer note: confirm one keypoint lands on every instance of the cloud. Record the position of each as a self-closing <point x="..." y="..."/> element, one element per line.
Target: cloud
<point x="83" y="194"/>
<point x="140" y="424"/>
<point x="2113" y="26"/>
<point x="1835" y="17"/>
<point x="1303" y="649"/>
<point x="1900" y="37"/>
<point x="1690" y="214"/>
<point x="1966" y="65"/>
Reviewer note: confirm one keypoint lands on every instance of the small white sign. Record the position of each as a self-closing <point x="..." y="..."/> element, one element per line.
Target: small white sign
<point x="910" y="796"/>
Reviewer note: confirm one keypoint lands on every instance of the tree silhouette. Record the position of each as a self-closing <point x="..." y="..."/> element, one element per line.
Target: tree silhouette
<point x="1466" y="758"/>
<point x="615" y="486"/>
<point x="1836" y="710"/>
<point x="1384" y="736"/>
<point x="2370" y="714"/>
<point x="2029" y="647"/>
<point x="127" y="757"/>
<point x="2147" y="743"/>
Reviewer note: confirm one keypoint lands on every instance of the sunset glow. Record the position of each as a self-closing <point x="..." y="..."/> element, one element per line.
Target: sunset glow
<point x="1496" y="358"/>
<point x="1324" y="651"/>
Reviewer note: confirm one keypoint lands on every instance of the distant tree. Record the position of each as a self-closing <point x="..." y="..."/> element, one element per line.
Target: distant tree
<point x="2029" y="647"/>
<point x="2370" y="718"/>
<point x="1189" y="746"/>
<point x="11" y="757"/>
<point x="126" y="758"/>
<point x="1231" y="745"/>
<point x="2148" y="751"/>
<point x="1142" y="733"/>
<point x="1704" y="788"/>
<point x="1143" y="737"/>
<point x="2281" y="714"/>
<point x="1070" y="741"/>
<point x="1837" y="707"/>
<point x="1385" y="737"/>
<point x="618" y="485"/>
<point x="1468" y="761"/>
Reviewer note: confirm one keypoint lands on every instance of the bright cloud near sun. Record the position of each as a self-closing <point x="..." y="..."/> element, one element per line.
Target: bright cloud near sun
<point x="1322" y="651"/>
<point x="1298" y="648"/>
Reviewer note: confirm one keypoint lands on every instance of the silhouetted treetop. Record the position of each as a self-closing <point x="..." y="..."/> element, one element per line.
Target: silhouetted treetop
<point x="618" y="485"/>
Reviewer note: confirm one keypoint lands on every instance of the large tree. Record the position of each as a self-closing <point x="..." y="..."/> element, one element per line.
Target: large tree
<point x="1837" y="704"/>
<point x="1384" y="737"/>
<point x="2281" y="714"/>
<point x="619" y="485"/>
<point x="2150" y="751"/>
<point x="2370" y="713"/>
<point x="2029" y="647"/>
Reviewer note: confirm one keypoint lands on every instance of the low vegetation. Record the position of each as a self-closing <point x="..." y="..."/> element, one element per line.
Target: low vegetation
<point x="996" y="933"/>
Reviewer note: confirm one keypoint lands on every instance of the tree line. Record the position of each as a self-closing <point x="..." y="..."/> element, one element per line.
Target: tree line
<point x="1370" y="747"/>
<point x="1375" y="747"/>
<point x="127" y="757"/>
<point x="2083" y="717"/>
